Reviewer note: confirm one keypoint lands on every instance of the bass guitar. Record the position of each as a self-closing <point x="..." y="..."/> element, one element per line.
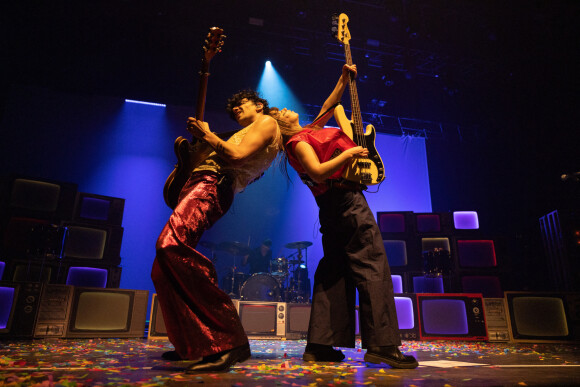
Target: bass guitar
<point x="369" y="170"/>
<point x="191" y="154"/>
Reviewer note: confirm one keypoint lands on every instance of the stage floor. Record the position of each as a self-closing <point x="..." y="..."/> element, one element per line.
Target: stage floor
<point x="137" y="362"/>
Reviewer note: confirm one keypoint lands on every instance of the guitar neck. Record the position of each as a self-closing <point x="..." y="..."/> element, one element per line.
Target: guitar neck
<point x="202" y="91"/>
<point x="354" y="103"/>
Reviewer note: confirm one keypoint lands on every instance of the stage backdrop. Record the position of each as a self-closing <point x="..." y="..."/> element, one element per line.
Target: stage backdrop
<point x="113" y="148"/>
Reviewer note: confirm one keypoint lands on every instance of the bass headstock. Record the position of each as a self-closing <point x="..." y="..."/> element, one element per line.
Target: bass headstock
<point x="340" y="29"/>
<point x="213" y="42"/>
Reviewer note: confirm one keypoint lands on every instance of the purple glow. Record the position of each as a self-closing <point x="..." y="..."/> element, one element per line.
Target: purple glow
<point x="405" y="314"/>
<point x="396" y="252"/>
<point x="422" y="284"/>
<point x="444" y="317"/>
<point x="488" y="286"/>
<point x="87" y="276"/>
<point x="2" y="266"/>
<point x="397" y="283"/>
<point x="6" y="301"/>
<point x="465" y="220"/>
<point x="428" y="223"/>
<point x="476" y="253"/>
<point x="392" y="223"/>
<point x="94" y="208"/>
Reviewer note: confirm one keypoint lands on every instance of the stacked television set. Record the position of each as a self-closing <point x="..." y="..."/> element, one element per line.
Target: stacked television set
<point x="53" y="233"/>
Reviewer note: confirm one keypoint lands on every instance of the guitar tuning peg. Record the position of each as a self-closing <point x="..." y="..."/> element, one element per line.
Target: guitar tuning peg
<point x="224" y="36"/>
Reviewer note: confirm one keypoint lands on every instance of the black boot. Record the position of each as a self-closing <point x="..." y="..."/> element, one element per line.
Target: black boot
<point x="391" y="356"/>
<point x="320" y="352"/>
<point x="221" y="361"/>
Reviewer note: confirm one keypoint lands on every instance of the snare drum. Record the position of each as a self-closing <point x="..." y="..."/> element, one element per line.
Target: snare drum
<point x="279" y="266"/>
<point x="261" y="287"/>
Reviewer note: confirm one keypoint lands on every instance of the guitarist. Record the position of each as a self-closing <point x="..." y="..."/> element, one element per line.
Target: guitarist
<point x="202" y="322"/>
<point x="354" y="254"/>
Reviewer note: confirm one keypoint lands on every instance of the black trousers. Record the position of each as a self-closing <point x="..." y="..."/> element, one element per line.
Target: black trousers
<point x="354" y="259"/>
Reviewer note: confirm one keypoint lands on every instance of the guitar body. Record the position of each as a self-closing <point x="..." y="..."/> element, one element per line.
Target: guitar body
<point x="189" y="156"/>
<point x="369" y="170"/>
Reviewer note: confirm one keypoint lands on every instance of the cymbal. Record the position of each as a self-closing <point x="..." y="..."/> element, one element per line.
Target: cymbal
<point x="298" y="245"/>
<point x="208" y="244"/>
<point x="234" y="248"/>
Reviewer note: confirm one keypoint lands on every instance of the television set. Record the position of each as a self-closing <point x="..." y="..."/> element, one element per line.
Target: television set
<point x="98" y="209"/>
<point x="397" y="280"/>
<point x="297" y="319"/>
<point x="2" y="267"/>
<point x="21" y="270"/>
<point x="93" y="243"/>
<point x="407" y="316"/>
<point x="433" y="223"/>
<point x="38" y="198"/>
<point x="488" y="285"/>
<point x="498" y="326"/>
<point x="543" y="317"/>
<point x="396" y="222"/>
<point x="451" y="316"/>
<point x="54" y="311"/>
<point x="263" y="319"/>
<point x="157" y="329"/>
<point x="19" y="304"/>
<point x="465" y="220"/>
<point x="435" y="244"/>
<point x="91" y="316"/>
<point x="428" y="284"/>
<point x="475" y="253"/>
<point x="396" y="252"/>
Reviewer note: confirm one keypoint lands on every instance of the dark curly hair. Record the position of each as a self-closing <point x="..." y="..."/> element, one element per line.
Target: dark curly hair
<point x="252" y="95"/>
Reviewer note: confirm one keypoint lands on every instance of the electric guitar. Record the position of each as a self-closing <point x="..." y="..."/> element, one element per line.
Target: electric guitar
<point x="190" y="155"/>
<point x="368" y="170"/>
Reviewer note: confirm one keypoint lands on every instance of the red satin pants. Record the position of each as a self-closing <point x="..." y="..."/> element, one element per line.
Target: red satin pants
<point x="200" y="318"/>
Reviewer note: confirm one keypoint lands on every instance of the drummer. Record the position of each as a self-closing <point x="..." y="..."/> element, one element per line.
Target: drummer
<point x="260" y="257"/>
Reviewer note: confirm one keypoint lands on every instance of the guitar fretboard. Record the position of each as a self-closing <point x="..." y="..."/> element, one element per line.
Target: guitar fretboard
<point x="358" y="133"/>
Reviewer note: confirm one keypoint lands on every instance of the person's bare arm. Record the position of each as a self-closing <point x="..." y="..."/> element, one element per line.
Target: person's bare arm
<point x="318" y="171"/>
<point x="336" y="94"/>
<point x="259" y="135"/>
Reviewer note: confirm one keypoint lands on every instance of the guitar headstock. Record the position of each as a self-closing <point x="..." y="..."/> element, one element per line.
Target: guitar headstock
<point x="213" y="42"/>
<point x="340" y="29"/>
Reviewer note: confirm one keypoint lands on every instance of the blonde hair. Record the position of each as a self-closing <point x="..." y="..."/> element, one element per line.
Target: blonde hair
<point x="286" y="130"/>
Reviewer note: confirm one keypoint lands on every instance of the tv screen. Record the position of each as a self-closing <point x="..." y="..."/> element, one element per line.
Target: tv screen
<point x="298" y="317"/>
<point x="99" y="209"/>
<point x="19" y="304"/>
<point x="543" y="317"/>
<point x="407" y="316"/>
<point x="396" y="252"/>
<point x="263" y="319"/>
<point x="395" y="222"/>
<point x="475" y="253"/>
<point x="428" y="284"/>
<point x="428" y="223"/>
<point x="31" y="271"/>
<point x="93" y="277"/>
<point x="2" y="267"/>
<point x="157" y="329"/>
<point x="91" y="313"/>
<point x="397" y="283"/>
<point x="435" y="244"/>
<point x="93" y="243"/>
<point x="451" y="316"/>
<point x="465" y="220"/>
<point x="40" y="198"/>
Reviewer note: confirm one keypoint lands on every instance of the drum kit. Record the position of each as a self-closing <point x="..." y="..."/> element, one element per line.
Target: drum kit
<point x="286" y="281"/>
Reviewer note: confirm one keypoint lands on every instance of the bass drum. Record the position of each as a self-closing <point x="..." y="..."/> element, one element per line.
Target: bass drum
<point x="261" y="287"/>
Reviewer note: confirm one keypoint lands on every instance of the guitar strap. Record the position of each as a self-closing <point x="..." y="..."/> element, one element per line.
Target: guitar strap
<point x="322" y="115"/>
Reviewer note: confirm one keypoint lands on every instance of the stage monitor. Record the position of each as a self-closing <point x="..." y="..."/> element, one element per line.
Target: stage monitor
<point x="107" y="313"/>
<point x="297" y="319"/>
<point x="39" y="198"/>
<point x="263" y="319"/>
<point x="19" y="304"/>
<point x="541" y="317"/>
<point x="475" y="253"/>
<point x="465" y="220"/>
<point x="86" y="242"/>
<point x="488" y="285"/>
<point x="99" y="209"/>
<point x="451" y="316"/>
<point x="407" y="316"/>
<point x="157" y="329"/>
<point x="395" y="222"/>
<point x="396" y="252"/>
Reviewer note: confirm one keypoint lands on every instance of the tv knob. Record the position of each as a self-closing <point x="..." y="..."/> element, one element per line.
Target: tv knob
<point x="476" y="310"/>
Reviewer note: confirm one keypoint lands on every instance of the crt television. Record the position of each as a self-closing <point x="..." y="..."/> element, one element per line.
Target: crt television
<point x="107" y="313"/>
<point x="544" y="317"/>
<point x="19" y="303"/>
<point x="98" y="209"/>
<point x="88" y="242"/>
<point x="297" y="319"/>
<point x="263" y="319"/>
<point x="451" y="316"/>
<point x="157" y="329"/>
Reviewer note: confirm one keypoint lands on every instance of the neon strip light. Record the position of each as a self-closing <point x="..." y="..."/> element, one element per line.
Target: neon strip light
<point x="145" y="103"/>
